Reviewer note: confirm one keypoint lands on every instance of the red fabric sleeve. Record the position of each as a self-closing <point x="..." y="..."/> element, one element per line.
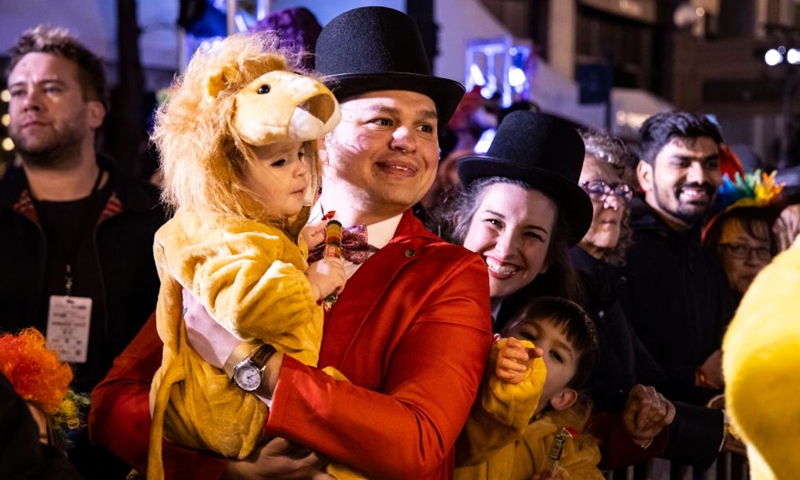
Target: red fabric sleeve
<point x="119" y="419"/>
<point x="617" y="449"/>
<point x="408" y="427"/>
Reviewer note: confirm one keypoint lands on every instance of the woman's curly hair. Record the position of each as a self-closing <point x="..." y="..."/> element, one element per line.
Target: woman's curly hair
<point x="202" y="158"/>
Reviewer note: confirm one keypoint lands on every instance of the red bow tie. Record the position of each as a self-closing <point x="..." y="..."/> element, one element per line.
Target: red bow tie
<point x="355" y="248"/>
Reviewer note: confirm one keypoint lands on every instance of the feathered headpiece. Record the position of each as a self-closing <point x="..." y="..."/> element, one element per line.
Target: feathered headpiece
<point x="40" y="378"/>
<point x="754" y="190"/>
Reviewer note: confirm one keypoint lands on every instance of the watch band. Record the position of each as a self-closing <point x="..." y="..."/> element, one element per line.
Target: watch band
<point x="238" y="355"/>
<point x="261" y="356"/>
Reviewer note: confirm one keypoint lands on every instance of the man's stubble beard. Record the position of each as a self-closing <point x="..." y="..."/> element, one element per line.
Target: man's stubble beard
<point x="59" y="151"/>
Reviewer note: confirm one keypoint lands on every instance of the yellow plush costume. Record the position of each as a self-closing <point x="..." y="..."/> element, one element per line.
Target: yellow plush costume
<point x="761" y="354"/>
<point x="504" y="444"/>
<point x="243" y="266"/>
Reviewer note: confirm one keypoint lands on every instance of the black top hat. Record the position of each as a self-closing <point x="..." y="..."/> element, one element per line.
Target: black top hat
<point x="377" y="48"/>
<point x="544" y="152"/>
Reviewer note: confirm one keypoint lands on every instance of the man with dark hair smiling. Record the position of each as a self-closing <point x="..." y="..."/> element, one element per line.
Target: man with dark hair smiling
<point x="676" y="301"/>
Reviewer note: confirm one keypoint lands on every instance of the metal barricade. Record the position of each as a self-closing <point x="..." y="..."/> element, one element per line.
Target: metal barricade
<point x="728" y="466"/>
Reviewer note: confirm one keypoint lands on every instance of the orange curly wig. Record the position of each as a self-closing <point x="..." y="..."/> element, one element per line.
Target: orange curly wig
<point x="35" y="371"/>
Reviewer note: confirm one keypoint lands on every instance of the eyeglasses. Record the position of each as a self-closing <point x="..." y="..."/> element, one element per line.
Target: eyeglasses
<point x="742" y="252"/>
<point x="599" y="190"/>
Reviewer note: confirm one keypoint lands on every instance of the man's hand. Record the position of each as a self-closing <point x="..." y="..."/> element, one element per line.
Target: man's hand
<point x="514" y="360"/>
<point x="278" y="459"/>
<point x="734" y="445"/>
<point x="712" y="367"/>
<point x="646" y="413"/>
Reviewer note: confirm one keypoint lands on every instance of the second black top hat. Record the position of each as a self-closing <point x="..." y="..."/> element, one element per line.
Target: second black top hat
<point x="544" y="152"/>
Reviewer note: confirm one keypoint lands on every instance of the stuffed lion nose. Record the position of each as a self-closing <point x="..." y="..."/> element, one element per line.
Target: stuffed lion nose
<point x="321" y="106"/>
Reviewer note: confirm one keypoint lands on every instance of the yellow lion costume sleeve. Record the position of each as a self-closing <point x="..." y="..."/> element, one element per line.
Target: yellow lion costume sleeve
<point x="761" y="355"/>
<point x="502" y="412"/>
<point x="245" y="267"/>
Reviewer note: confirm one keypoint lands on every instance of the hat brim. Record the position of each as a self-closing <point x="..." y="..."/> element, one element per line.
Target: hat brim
<point x="574" y="206"/>
<point x="444" y="92"/>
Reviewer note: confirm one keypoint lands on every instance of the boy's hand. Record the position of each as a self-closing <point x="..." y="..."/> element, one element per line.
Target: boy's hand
<point x="326" y="276"/>
<point x="514" y="360"/>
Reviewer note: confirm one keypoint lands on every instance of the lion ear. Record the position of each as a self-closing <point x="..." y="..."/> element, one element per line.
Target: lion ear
<point x="220" y="79"/>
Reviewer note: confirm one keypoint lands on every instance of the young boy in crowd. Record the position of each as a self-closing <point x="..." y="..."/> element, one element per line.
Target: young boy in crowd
<point x="533" y="397"/>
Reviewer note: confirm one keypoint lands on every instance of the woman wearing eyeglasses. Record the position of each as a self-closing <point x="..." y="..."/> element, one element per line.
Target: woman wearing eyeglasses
<point x="741" y="236"/>
<point x="625" y="365"/>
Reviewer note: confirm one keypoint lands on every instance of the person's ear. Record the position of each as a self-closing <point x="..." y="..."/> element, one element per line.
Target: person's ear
<point x="564" y="399"/>
<point x="95" y="113"/>
<point x="645" y="173"/>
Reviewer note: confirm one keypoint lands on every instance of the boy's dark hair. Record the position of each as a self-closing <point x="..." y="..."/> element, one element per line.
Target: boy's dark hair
<point x="576" y="325"/>
<point x="660" y="128"/>
<point x="57" y="41"/>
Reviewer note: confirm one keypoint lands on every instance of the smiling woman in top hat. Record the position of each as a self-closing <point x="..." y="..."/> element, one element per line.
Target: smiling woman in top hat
<point x="521" y="209"/>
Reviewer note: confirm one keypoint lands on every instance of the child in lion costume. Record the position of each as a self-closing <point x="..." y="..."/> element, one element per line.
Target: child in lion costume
<point x="237" y="142"/>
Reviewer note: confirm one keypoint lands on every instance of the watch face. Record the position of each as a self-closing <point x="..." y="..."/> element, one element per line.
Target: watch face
<point x="247" y="377"/>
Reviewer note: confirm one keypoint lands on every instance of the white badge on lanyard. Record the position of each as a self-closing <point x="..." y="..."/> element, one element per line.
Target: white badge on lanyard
<point x="68" y="323"/>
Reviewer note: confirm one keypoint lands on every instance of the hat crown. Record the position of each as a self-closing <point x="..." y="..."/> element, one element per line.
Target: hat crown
<point x="537" y="140"/>
<point x="371" y="40"/>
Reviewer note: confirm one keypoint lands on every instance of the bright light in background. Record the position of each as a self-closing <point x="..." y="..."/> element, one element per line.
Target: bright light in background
<point x="773" y="57"/>
<point x="516" y="77"/>
<point x="485" y="141"/>
<point x="5" y="96"/>
<point x="5" y="119"/>
<point x="477" y="75"/>
<point x="8" y="144"/>
<point x="700" y="12"/>
<point x="793" y="56"/>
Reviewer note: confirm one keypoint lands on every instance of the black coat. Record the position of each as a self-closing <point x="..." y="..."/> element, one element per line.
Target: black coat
<point x="22" y="457"/>
<point x="677" y="300"/>
<point x="696" y="432"/>
<point x="623" y="361"/>
<point x="122" y="281"/>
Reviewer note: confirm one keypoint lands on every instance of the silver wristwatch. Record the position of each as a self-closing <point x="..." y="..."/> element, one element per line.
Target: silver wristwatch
<point x="247" y="373"/>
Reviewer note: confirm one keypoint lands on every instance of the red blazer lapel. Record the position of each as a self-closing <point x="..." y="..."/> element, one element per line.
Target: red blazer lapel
<point x="365" y="289"/>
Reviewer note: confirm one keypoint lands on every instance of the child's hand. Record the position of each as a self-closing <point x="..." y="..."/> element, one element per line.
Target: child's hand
<point x="313" y="234"/>
<point x="514" y="360"/>
<point x="326" y="276"/>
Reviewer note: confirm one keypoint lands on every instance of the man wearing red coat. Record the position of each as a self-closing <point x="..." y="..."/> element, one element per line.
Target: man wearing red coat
<point x="411" y="331"/>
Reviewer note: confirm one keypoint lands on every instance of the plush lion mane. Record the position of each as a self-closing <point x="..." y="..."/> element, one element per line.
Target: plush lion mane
<point x="202" y="158"/>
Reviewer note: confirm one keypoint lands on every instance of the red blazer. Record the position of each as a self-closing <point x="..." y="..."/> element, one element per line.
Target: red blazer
<point x="411" y="331"/>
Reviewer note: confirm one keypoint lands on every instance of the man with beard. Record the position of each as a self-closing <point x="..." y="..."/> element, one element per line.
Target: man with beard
<point x="76" y="236"/>
<point x="677" y="291"/>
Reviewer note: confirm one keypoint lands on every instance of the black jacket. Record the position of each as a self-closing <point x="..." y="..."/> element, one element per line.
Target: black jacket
<point x="623" y="361"/>
<point x="22" y="457"/>
<point x="696" y="432"/>
<point x="676" y="301"/>
<point x="122" y="242"/>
